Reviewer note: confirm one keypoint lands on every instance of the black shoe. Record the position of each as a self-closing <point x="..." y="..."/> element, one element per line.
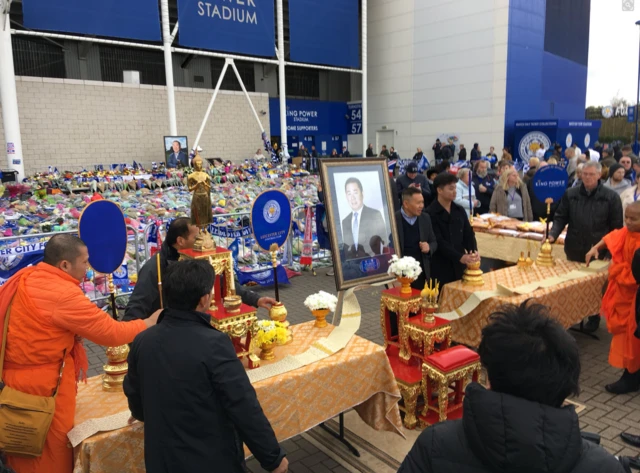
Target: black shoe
<point x="631" y="439"/>
<point x="592" y="324"/>
<point x="628" y="383"/>
<point x="634" y="462"/>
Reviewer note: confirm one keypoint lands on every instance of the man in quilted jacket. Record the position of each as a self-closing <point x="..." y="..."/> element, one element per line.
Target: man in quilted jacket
<point x="48" y="315"/>
<point x="520" y="423"/>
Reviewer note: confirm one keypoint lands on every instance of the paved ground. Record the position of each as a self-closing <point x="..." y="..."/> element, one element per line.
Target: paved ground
<point x="605" y="414"/>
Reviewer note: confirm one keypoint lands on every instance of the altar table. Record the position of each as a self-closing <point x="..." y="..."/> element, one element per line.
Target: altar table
<point x="508" y="248"/>
<point x="568" y="302"/>
<point x="358" y="377"/>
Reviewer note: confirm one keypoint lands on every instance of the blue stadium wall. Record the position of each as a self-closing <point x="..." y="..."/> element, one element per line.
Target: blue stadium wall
<point x="547" y="58"/>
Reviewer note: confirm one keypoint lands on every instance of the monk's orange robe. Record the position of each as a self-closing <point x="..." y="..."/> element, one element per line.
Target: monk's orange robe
<point x="618" y="303"/>
<point x="48" y="315"/>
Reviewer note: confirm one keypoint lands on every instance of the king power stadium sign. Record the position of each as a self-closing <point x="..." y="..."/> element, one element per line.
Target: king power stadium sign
<point x="241" y="11"/>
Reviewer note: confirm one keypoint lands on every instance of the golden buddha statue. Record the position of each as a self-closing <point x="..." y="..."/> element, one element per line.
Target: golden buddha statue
<point x="199" y="183"/>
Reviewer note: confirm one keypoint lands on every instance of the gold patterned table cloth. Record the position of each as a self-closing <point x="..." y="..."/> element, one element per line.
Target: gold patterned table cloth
<point x="508" y="248"/>
<point x="359" y="377"/>
<point x="569" y="302"/>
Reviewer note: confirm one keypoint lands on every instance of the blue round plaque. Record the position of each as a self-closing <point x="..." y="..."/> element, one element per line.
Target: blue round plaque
<point x="271" y="219"/>
<point x="103" y="229"/>
<point x="550" y="182"/>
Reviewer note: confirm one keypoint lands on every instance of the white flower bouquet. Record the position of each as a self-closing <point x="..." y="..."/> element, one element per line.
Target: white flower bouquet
<point x="321" y="300"/>
<point x="406" y="267"/>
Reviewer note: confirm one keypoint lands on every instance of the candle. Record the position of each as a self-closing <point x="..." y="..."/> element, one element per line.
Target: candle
<point x="232" y="282"/>
<point x="470" y="201"/>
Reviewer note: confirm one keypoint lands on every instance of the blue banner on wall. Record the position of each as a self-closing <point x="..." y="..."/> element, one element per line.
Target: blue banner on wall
<point x="325" y="32"/>
<point x="550" y="182"/>
<point x="239" y="26"/>
<point x="139" y="19"/>
<point x="271" y="219"/>
<point x="314" y="117"/>
<point x="16" y="258"/>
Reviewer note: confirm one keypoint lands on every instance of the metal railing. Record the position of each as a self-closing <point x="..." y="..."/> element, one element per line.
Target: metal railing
<point x="140" y="241"/>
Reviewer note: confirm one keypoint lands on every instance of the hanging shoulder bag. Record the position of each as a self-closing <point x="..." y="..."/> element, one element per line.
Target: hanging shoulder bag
<point x="25" y="419"/>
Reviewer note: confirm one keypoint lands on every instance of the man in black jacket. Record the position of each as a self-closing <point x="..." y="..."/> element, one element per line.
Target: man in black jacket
<point x="457" y="245"/>
<point x="415" y="233"/>
<point x="484" y="185"/>
<point x="370" y="153"/>
<point x="462" y="154"/>
<point x="145" y="299"/>
<point x="519" y="425"/>
<point x="590" y="210"/>
<point x="412" y="178"/>
<point x="186" y="383"/>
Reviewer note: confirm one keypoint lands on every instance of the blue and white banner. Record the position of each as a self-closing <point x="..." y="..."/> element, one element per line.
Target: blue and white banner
<point x="271" y="219"/>
<point x="262" y="276"/>
<point x="235" y="26"/>
<point x="139" y="19"/>
<point x="15" y="258"/>
<point x="325" y="32"/>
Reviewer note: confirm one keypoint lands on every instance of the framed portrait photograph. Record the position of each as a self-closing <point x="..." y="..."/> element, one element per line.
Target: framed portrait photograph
<point x="360" y="219"/>
<point x="176" y="152"/>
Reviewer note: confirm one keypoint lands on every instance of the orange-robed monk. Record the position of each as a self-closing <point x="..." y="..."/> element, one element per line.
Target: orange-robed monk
<point x="49" y="315"/>
<point x="618" y="303"/>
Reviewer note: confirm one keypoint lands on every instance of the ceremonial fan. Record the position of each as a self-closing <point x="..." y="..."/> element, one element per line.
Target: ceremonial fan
<point x="103" y="229"/>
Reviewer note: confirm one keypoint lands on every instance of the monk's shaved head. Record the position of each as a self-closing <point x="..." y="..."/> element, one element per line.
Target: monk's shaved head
<point x="63" y="247"/>
<point x="632" y="217"/>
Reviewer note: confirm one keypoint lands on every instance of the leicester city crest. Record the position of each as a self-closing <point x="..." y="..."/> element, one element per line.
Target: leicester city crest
<point x="530" y="143"/>
<point x="271" y="212"/>
<point x="10" y="262"/>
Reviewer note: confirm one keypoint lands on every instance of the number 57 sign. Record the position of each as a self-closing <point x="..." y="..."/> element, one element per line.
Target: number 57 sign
<point x="355" y="118"/>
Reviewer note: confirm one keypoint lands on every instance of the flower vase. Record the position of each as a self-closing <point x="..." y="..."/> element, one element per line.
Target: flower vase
<point x="320" y="315"/>
<point x="266" y="351"/>
<point x="406" y="284"/>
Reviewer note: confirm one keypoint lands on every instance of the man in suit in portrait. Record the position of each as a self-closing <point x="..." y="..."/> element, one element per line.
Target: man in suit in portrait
<point x="177" y="157"/>
<point x="363" y="230"/>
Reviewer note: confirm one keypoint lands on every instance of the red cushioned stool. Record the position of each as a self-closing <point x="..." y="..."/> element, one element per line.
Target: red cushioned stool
<point x="444" y="370"/>
<point x="409" y="379"/>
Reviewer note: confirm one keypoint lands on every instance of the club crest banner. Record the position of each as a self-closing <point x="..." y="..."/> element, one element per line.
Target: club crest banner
<point x="271" y="219"/>
<point x="235" y="26"/>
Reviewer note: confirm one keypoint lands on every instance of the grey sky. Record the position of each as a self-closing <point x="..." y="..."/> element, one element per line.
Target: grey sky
<point x="613" y="52"/>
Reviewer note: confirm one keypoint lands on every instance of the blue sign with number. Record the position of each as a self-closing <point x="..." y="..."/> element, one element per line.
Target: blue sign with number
<point x="355" y="118"/>
<point x="271" y="219"/>
<point x="631" y="114"/>
<point x="550" y="182"/>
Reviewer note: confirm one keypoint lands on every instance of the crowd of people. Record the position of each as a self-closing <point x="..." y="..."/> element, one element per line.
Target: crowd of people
<point x="533" y="364"/>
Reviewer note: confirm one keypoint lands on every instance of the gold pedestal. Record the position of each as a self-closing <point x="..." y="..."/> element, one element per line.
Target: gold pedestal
<point x="321" y="317"/>
<point x="473" y="275"/>
<point x="278" y="313"/>
<point x="115" y="369"/>
<point x="204" y="241"/>
<point x="545" y="257"/>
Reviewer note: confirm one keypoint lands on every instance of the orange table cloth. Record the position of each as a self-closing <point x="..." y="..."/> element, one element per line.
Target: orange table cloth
<point x="359" y="377"/>
<point x="568" y="302"/>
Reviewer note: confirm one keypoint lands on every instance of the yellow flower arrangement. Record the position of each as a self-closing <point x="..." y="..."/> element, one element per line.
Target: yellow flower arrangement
<point x="269" y="332"/>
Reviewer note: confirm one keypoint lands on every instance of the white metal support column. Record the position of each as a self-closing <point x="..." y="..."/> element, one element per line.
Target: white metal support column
<point x="167" y="39"/>
<point x="211" y="102"/>
<point x="281" y="80"/>
<point x="365" y="121"/>
<point x="9" y="97"/>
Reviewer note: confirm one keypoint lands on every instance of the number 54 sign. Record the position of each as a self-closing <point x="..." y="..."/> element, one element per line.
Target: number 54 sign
<point x="355" y="118"/>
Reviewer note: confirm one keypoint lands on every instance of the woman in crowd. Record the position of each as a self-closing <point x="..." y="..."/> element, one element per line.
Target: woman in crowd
<point x="631" y="194"/>
<point x="511" y="197"/>
<point x="462" y="192"/>
<point x="616" y="181"/>
<point x="506" y="156"/>
<point x="334" y="154"/>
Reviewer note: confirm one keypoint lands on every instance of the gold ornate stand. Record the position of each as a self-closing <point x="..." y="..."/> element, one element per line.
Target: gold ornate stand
<point x="545" y="257"/>
<point x="473" y="275"/>
<point x="117" y="366"/>
<point x="204" y="241"/>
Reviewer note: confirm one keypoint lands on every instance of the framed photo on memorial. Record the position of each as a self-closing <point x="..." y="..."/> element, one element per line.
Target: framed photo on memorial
<point x="360" y="219"/>
<point x="176" y="152"/>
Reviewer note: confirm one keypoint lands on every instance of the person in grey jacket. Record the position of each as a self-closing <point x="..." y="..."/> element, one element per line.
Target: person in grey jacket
<point x="412" y="178"/>
<point x="511" y="198"/>
<point x="415" y="233"/>
<point x="145" y="299"/>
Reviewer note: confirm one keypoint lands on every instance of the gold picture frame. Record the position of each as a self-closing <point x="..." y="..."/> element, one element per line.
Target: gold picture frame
<point x="365" y="259"/>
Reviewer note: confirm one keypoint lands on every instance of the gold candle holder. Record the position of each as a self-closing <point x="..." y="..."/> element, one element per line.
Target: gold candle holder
<point x="473" y="275"/>
<point x="429" y="304"/>
<point x="117" y="366"/>
<point x="545" y="257"/>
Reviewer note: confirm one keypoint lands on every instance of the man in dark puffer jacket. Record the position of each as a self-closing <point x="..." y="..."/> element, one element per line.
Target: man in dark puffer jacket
<point x="519" y="426"/>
